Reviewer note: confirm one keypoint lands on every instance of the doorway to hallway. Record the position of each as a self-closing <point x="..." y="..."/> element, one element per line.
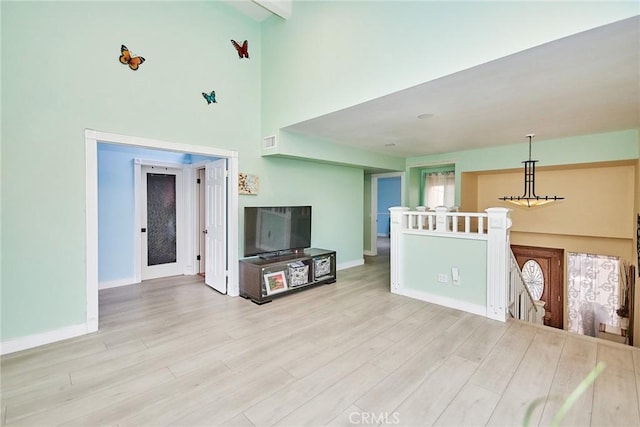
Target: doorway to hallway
<point x="387" y="190"/>
<point x="228" y="261"/>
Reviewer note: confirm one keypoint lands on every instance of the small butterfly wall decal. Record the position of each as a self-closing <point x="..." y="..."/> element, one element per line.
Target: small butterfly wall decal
<point x="132" y="61"/>
<point x="211" y="97"/>
<point x="243" y="51"/>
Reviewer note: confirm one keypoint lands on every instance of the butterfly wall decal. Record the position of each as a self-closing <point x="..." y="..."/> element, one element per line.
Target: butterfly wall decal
<point x="243" y="51"/>
<point x="132" y="61"/>
<point x="211" y="97"/>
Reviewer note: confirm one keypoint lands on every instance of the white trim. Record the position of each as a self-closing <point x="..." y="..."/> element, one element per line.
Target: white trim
<point x="30" y="341"/>
<point x="192" y="198"/>
<point x="233" y="287"/>
<point x="91" y="177"/>
<point x="370" y="253"/>
<point x="117" y="283"/>
<point x="449" y="234"/>
<point x="91" y="210"/>
<point x="434" y="164"/>
<point x="468" y="307"/>
<point x="182" y="172"/>
<point x="373" y="212"/>
<point x="114" y="138"/>
<point x="188" y="256"/>
<point x="137" y="215"/>
<point x="349" y="264"/>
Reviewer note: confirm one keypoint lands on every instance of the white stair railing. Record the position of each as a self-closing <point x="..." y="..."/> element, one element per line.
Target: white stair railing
<point x="507" y="293"/>
<point x="445" y="221"/>
<point x="522" y="306"/>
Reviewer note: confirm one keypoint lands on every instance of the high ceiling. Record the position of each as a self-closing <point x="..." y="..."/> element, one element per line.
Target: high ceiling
<point x="583" y="84"/>
<point x="578" y="85"/>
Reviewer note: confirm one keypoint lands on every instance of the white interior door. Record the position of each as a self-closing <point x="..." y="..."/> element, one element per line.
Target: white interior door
<point x="161" y="221"/>
<point x="216" y="225"/>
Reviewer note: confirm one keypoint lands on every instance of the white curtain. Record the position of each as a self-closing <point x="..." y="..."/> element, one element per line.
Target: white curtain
<point x="440" y="189"/>
<point x="594" y="292"/>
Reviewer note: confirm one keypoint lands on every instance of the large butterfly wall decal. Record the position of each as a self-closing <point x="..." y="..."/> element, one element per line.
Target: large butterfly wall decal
<point x="243" y="51"/>
<point x="210" y="97"/>
<point x="132" y="61"/>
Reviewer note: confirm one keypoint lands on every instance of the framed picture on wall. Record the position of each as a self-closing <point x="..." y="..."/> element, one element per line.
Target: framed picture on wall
<point x="248" y="184"/>
<point x="275" y="282"/>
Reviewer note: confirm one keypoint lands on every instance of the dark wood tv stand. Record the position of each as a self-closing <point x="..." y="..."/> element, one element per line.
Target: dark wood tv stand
<point x="285" y="274"/>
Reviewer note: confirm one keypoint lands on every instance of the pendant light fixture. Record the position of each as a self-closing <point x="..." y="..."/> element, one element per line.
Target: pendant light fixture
<point x="529" y="198"/>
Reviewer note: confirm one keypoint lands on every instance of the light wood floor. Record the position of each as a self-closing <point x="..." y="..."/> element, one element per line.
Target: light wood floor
<point x="173" y="352"/>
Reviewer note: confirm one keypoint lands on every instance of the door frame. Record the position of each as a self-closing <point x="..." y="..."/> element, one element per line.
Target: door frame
<point x="555" y="274"/>
<point x="198" y="216"/>
<point x="373" y="209"/>
<point x="182" y="210"/>
<point x="92" y="137"/>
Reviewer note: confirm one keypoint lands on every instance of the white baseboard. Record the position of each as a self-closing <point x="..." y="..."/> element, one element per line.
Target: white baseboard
<point x="117" y="283"/>
<point x="480" y="310"/>
<point x="30" y="341"/>
<point x="370" y="253"/>
<point x="350" y="264"/>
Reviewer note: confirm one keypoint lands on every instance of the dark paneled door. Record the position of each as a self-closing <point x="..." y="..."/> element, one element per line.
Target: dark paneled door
<point x="542" y="269"/>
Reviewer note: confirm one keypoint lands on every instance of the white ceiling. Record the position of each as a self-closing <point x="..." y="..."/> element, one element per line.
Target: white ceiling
<point x="258" y="10"/>
<point x="583" y="84"/>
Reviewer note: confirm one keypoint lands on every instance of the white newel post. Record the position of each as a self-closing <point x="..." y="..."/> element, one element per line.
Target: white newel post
<point x="497" y="262"/>
<point x="397" y="224"/>
<point x="441" y="218"/>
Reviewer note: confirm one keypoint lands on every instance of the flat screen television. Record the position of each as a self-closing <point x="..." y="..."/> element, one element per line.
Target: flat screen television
<point x="274" y="229"/>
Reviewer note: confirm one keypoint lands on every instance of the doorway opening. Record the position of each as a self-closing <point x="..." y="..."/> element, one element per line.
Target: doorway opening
<point x="387" y="190"/>
<point x="222" y="179"/>
<point x="542" y="270"/>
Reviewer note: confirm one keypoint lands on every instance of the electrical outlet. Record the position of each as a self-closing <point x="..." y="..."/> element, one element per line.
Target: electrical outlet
<point x="443" y="278"/>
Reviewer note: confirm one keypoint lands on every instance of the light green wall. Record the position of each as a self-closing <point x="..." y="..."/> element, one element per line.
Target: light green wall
<point x="335" y="54"/>
<point x="425" y="257"/>
<point x="329" y="189"/>
<point x="61" y="74"/>
<point x="332" y="55"/>
<point x="603" y="147"/>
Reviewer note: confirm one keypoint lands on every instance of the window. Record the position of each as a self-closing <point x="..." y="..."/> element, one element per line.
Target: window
<point x="439" y="188"/>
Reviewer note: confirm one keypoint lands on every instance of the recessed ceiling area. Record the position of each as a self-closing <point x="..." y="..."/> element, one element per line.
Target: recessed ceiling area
<point x="583" y="84"/>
